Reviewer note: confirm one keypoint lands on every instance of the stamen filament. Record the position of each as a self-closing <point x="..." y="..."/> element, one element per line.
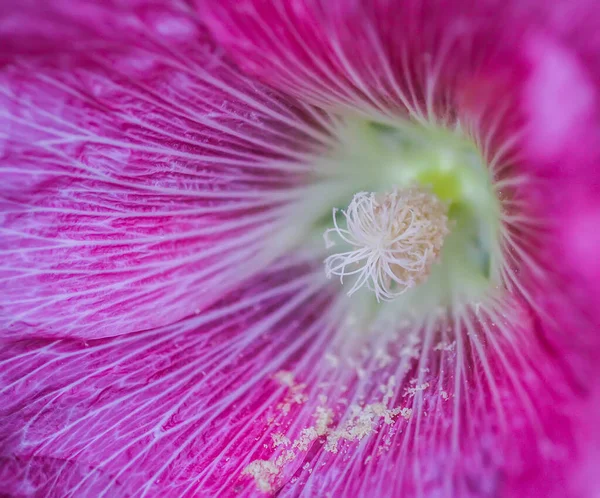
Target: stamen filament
<point x="395" y="237"/>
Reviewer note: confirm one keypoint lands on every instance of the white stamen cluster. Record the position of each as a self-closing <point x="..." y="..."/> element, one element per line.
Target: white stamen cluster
<point x="395" y="237"/>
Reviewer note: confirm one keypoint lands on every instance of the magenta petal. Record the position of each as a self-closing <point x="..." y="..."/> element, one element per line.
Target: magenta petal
<point x="143" y="180"/>
<point x="43" y="28"/>
<point x="183" y="410"/>
<point x="136" y="179"/>
<point x="177" y="411"/>
<point x="378" y="56"/>
<point x="560" y="100"/>
<point x="563" y="142"/>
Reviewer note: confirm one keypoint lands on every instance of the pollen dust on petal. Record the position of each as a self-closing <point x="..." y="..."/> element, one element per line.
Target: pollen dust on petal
<point x="360" y="422"/>
<point x="280" y="439"/>
<point x="443" y="346"/>
<point x="295" y="395"/>
<point x="411" y="391"/>
<point x="264" y="473"/>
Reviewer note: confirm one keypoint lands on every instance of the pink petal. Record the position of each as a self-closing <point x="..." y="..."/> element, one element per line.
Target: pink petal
<point x="563" y="144"/>
<point x="39" y="27"/>
<point x="183" y="410"/>
<point x="560" y="103"/>
<point x="378" y="56"/>
<point x="518" y="73"/>
<point x="138" y="175"/>
<point x="177" y="411"/>
<point x="504" y="405"/>
<point x="476" y="60"/>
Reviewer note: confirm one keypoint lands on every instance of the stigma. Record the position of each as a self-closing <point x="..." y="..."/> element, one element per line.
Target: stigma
<point x="391" y="240"/>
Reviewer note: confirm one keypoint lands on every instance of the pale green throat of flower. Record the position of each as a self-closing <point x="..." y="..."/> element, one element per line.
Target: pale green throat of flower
<point x="421" y="227"/>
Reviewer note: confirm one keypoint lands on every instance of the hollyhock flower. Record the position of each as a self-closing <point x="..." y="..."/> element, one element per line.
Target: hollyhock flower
<point x="169" y="171"/>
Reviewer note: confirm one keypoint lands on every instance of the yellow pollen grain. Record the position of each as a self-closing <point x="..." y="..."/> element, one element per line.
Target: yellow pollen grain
<point x="285" y="458"/>
<point x="285" y="378"/>
<point x="406" y="413"/>
<point x="280" y="440"/>
<point x="295" y="396"/>
<point x="264" y="473"/>
<point x="411" y="391"/>
<point x="443" y="346"/>
<point x="324" y="418"/>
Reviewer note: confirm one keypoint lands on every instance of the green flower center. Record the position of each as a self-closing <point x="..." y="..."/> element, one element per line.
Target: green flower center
<point x="380" y="158"/>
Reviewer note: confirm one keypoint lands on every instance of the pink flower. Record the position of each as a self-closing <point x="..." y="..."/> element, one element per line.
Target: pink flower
<point x="168" y="171"/>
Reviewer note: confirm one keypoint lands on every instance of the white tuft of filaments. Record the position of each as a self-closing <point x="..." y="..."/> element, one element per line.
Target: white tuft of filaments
<point x="395" y="238"/>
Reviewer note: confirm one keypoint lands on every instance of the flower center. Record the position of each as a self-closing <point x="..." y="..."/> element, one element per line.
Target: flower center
<point x="424" y="229"/>
<point x="396" y="238"/>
